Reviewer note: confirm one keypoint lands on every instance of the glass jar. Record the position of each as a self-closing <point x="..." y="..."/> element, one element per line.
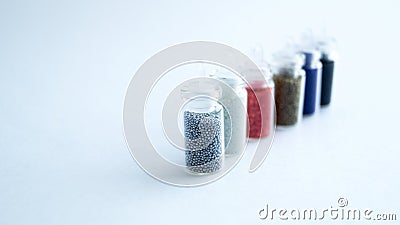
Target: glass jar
<point x="312" y="68"/>
<point x="289" y="78"/>
<point x="234" y="101"/>
<point x="203" y="127"/>
<point x="260" y="105"/>
<point x="328" y="58"/>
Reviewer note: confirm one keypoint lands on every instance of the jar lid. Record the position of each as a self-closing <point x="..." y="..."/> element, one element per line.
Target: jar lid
<point x="200" y="87"/>
<point x="326" y="44"/>
<point x="327" y="49"/>
<point x="228" y="77"/>
<point x="312" y="58"/>
<point x="307" y="45"/>
<point x="289" y="59"/>
<point x="257" y="55"/>
<point x="287" y="62"/>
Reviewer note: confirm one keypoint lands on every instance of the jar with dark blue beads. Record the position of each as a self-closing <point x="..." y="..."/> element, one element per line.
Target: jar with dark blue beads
<point x="328" y="58"/>
<point x="312" y="68"/>
<point x="203" y="120"/>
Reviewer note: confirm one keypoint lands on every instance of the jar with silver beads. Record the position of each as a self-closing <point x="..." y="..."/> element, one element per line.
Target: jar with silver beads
<point x="203" y="121"/>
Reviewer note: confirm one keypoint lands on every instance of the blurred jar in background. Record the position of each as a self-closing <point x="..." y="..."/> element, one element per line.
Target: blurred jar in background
<point x="289" y="78"/>
<point x="312" y="68"/>
<point x="234" y="101"/>
<point x="326" y="45"/>
<point x="260" y="99"/>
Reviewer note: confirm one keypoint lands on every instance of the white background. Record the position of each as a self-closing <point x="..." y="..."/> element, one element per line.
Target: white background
<point x="64" y="69"/>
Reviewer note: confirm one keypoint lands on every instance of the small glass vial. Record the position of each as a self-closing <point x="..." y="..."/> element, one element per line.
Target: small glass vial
<point x="203" y="119"/>
<point x="312" y="68"/>
<point x="289" y="78"/>
<point x="234" y="101"/>
<point x="260" y="105"/>
<point x="328" y="58"/>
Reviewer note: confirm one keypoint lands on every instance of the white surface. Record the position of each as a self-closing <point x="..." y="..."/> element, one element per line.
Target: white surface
<point x="64" y="68"/>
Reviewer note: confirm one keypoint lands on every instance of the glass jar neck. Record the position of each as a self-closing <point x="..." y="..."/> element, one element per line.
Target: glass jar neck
<point x="328" y="56"/>
<point x="290" y="71"/>
<point x="202" y="105"/>
<point x="257" y="82"/>
<point x="231" y="80"/>
<point x="312" y="59"/>
<point x="200" y="87"/>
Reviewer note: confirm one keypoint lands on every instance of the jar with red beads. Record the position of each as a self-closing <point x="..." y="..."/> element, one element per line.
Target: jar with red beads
<point x="260" y="104"/>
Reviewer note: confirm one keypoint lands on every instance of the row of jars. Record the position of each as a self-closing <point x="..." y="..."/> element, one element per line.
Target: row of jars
<point x="223" y="114"/>
<point x="303" y="82"/>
